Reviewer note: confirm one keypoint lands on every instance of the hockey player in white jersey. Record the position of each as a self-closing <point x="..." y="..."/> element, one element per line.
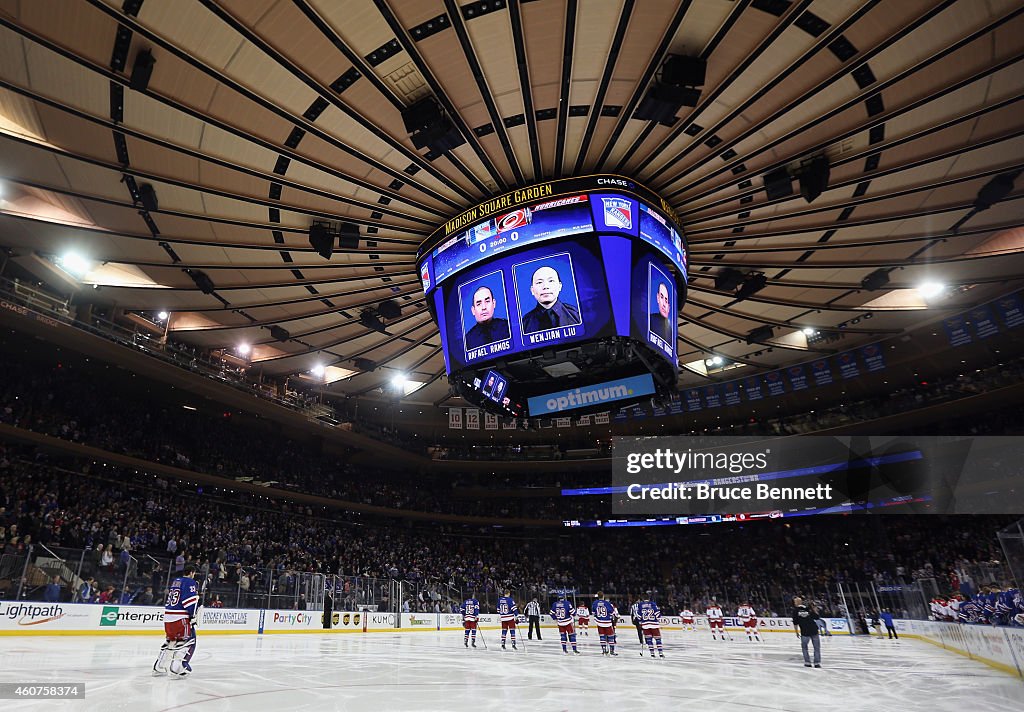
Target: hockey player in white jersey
<point x="748" y="619"/>
<point x="716" y="619"/>
<point x="583" y="617"/>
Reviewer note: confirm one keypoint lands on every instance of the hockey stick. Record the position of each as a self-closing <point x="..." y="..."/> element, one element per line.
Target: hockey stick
<point x="480" y="634"/>
<point x="515" y="627"/>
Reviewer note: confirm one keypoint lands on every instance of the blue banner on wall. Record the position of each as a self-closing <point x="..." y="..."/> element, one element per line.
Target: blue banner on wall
<point x="693" y="399"/>
<point x="957" y="330"/>
<point x="797" y="377"/>
<point x="822" y="372"/>
<point x="874" y="359"/>
<point x="732" y="392"/>
<point x="675" y="407"/>
<point x="752" y="386"/>
<point x="776" y="386"/>
<point x="848" y="366"/>
<point x="1011" y="311"/>
<point x="712" y="396"/>
<point x="984" y="325"/>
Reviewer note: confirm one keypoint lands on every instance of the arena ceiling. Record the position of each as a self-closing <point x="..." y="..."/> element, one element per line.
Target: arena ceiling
<point x="262" y="115"/>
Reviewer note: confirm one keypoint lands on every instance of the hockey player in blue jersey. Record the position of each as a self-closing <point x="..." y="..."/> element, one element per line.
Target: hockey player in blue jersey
<point x="561" y="611"/>
<point x="650" y="621"/>
<point x="507" y="611"/>
<point x="1017" y="617"/>
<point x="180" y="613"/>
<point x="1004" y="607"/>
<point x="470" y="617"/>
<point x="605" y="616"/>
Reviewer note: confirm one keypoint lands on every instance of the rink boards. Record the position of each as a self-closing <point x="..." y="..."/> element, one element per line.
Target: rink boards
<point x="1000" y="648"/>
<point x="34" y="618"/>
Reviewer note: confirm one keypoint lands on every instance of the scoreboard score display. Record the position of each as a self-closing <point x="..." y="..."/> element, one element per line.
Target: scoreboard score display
<point x="561" y="285"/>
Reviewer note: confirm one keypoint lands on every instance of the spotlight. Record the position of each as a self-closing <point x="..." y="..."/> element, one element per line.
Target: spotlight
<point x="162" y="316"/>
<point x="75" y="264"/>
<point x="319" y="370"/>
<point x="808" y="331"/>
<point x="244" y="349"/>
<point x="716" y="360"/>
<point x="399" y="380"/>
<point x="930" y="290"/>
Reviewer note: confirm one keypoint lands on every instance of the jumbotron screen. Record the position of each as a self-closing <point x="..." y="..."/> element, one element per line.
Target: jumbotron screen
<point x="561" y="263"/>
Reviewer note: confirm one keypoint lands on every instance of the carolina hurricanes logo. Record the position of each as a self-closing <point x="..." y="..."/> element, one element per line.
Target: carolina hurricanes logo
<point x="513" y="220"/>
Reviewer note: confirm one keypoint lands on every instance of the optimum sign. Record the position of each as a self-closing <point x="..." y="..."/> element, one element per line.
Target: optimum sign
<point x="587" y="396"/>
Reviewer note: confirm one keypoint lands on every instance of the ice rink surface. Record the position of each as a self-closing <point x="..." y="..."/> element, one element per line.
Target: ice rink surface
<point x="433" y="671"/>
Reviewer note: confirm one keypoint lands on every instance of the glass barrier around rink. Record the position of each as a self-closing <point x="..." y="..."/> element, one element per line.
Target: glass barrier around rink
<point x="105" y="574"/>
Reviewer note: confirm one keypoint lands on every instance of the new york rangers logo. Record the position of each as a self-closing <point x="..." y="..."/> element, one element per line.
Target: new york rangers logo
<point x="618" y="213"/>
<point x="425" y="276"/>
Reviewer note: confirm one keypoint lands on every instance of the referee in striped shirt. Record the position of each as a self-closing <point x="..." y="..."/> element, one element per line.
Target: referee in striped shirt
<point x="533" y="614"/>
<point x="634" y="617"/>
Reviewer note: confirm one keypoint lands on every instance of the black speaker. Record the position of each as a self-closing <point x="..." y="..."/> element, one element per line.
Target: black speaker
<point x="280" y="333"/>
<point x="389" y="309"/>
<point x="778" y="184"/>
<point x="142" y="70"/>
<point x="428" y="127"/>
<point x="728" y="279"/>
<point x="760" y="334"/>
<point x="680" y="71"/>
<point x="876" y="280"/>
<point x="147" y="196"/>
<point x="372" y="321"/>
<point x="364" y="364"/>
<point x="321" y="239"/>
<point x="348" y="236"/>
<point x="814" y="177"/>
<point x="754" y="283"/>
<point x="202" y="281"/>
<point x="995" y="190"/>
<point x="421" y="115"/>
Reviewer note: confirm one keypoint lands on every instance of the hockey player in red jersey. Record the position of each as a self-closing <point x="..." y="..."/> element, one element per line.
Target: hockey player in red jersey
<point x="748" y="619"/>
<point x="716" y="619"/>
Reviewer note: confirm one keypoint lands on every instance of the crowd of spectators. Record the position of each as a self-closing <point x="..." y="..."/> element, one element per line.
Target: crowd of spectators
<point x="139" y="529"/>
